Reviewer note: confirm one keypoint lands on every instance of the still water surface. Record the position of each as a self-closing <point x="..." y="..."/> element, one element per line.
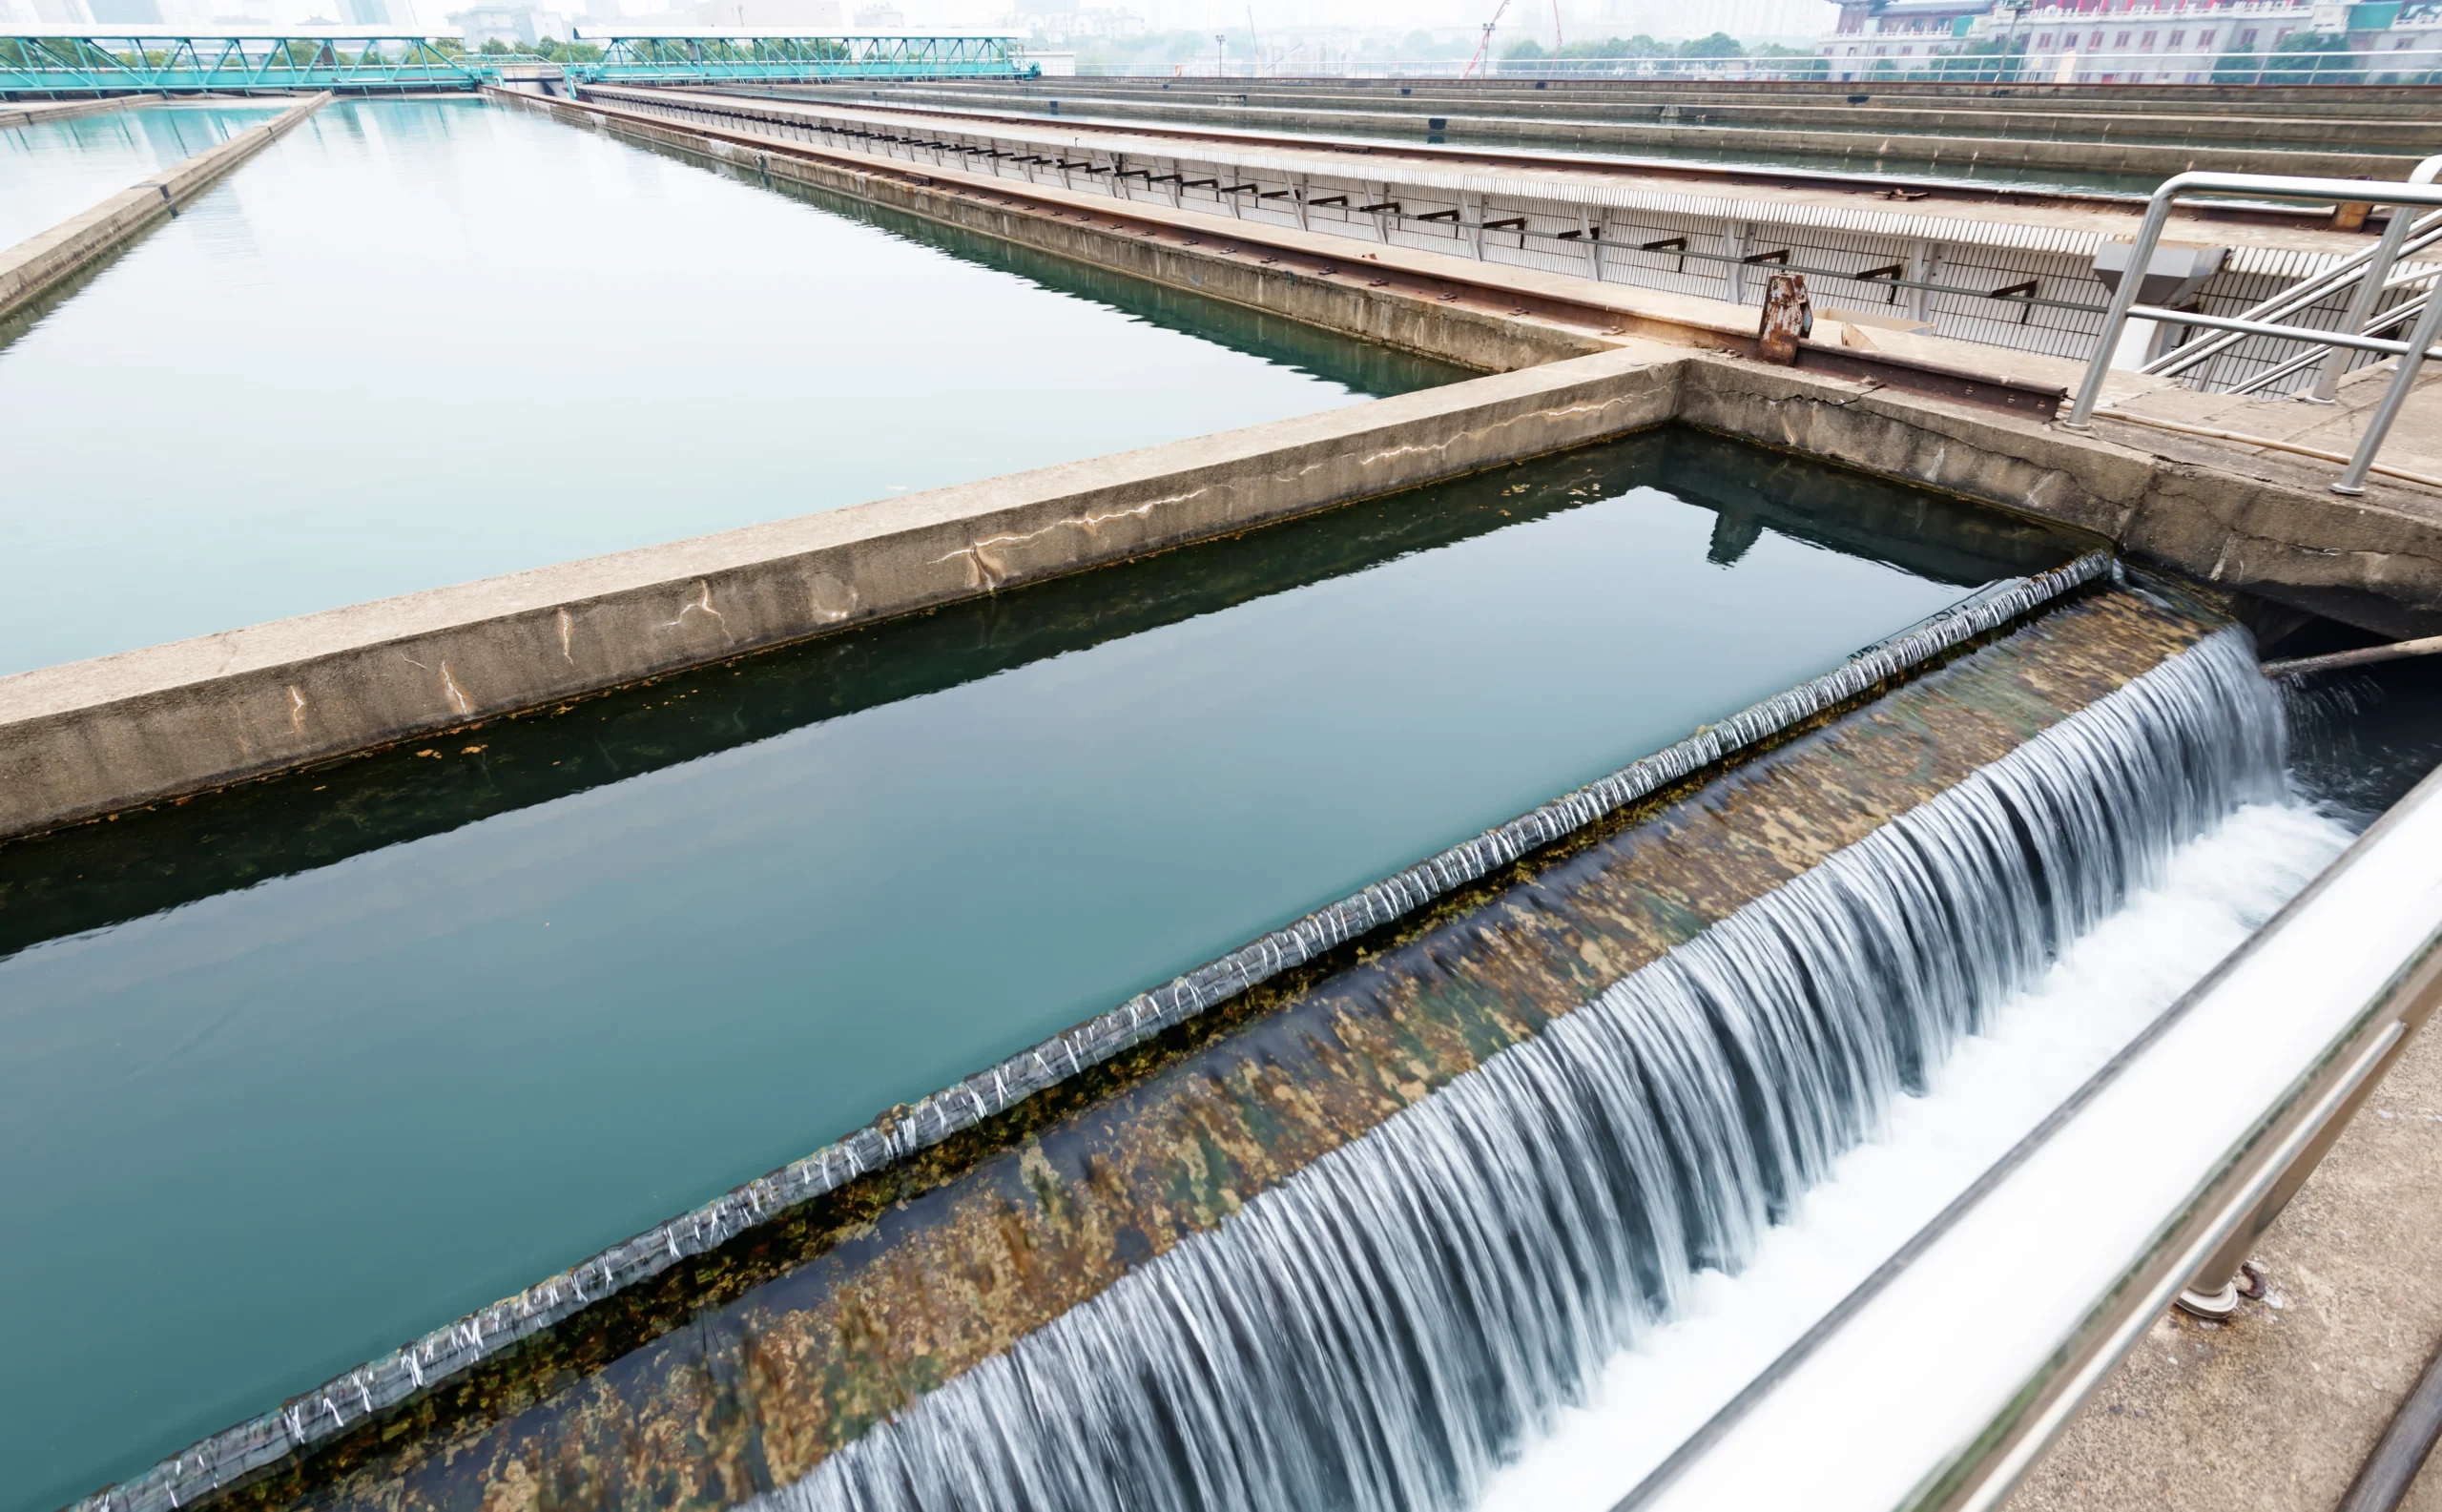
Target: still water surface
<point x="292" y="1073"/>
<point x="55" y="171"/>
<point x="416" y="342"/>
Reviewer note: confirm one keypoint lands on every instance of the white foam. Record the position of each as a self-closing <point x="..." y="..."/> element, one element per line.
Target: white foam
<point x="1997" y="1087"/>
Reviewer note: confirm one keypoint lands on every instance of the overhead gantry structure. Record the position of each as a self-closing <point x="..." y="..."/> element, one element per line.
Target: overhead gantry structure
<point x="71" y="61"/>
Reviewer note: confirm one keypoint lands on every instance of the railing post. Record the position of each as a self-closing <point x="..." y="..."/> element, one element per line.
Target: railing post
<point x="2427" y="325"/>
<point x="2370" y="288"/>
<point x="2141" y="258"/>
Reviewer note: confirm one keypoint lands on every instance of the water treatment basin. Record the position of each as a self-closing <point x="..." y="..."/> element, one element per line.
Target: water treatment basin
<point x="291" y="1072"/>
<point x="486" y="342"/>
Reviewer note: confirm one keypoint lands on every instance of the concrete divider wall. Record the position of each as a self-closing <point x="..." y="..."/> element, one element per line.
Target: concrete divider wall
<point x="95" y="736"/>
<point x="28" y="112"/>
<point x="1909" y="144"/>
<point x="37" y="262"/>
<point x="2374" y="562"/>
<point x="1482" y="339"/>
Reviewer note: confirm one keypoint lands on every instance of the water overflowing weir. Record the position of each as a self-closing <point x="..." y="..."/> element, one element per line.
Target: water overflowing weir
<point x="1381" y="1329"/>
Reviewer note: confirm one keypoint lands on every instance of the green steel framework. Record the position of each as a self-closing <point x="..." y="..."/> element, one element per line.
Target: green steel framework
<point x="687" y="59"/>
<point x="97" y="63"/>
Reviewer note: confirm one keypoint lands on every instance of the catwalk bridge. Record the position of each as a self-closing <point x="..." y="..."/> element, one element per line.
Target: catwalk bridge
<point x="69" y="61"/>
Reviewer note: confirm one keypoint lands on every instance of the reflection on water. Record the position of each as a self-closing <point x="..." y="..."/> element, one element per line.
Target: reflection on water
<point x="416" y="342"/>
<point x="381" y="1043"/>
<point x="55" y="171"/>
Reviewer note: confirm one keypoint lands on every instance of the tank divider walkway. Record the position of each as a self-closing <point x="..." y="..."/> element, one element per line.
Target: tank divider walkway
<point x="41" y="261"/>
<point x="1933" y="143"/>
<point x="33" y="113"/>
<point x="2014" y="271"/>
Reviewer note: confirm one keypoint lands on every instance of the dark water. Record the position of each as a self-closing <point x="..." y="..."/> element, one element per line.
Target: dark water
<point x="2363" y="738"/>
<point x="55" y="171"/>
<point x="416" y="342"/>
<point x="291" y="1073"/>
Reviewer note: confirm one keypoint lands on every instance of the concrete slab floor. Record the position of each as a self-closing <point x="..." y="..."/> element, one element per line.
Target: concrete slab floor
<point x="2414" y="441"/>
<point x="2274" y="1411"/>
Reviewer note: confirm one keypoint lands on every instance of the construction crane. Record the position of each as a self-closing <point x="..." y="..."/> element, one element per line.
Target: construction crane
<point x="1484" y="46"/>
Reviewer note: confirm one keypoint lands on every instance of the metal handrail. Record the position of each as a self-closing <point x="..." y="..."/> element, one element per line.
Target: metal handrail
<point x="2411" y="353"/>
<point x="2425" y="232"/>
<point x="2397" y="316"/>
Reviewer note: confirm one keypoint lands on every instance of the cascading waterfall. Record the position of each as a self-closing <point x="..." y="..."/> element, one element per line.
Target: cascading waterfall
<point x="1383" y="1328"/>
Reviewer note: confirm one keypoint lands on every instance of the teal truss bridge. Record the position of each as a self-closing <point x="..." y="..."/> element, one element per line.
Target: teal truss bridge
<point x="68" y="61"/>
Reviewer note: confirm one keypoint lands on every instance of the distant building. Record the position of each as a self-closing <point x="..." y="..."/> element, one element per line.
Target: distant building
<point x="886" y="19"/>
<point x="517" y="26"/>
<point x="2124" y="41"/>
<point x="1059" y="27"/>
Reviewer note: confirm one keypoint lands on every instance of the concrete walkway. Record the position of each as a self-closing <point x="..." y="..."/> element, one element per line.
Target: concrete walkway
<point x="2274" y="1411"/>
<point x="2414" y="443"/>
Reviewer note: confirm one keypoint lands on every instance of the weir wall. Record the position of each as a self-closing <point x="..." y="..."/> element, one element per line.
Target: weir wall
<point x="28" y="112"/>
<point x="1461" y="110"/>
<point x="1989" y="141"/>
<point x="746" y="1363"/>
<point x="40" y="261"/>
<point x="2405" y="101"/>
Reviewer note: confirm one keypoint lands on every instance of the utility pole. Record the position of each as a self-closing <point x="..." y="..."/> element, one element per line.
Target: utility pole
<point x="1220" y="55"/>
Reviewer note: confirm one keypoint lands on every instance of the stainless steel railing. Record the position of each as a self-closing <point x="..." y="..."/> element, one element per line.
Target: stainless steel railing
<point x="2372" y="272"/>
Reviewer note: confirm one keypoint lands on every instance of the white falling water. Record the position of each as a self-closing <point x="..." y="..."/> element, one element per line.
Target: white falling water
<point x="2036" y="1050"/>
<point x="1497" y="1269"/>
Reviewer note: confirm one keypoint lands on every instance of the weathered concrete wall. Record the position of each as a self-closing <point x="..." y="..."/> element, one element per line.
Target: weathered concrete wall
<point x="2408" y="101"/>
<point x="94" y="737"/>
<point x="1918" y="142"/>
<point x="26" y="113"/>
<point x="98" y="736"/>
<point x="1460" y="110"/>
<point x="37" y="262"/>
<point x="2375" y="561"/>
<point x="1403" y="312"/>
<point x="91" y="737"/>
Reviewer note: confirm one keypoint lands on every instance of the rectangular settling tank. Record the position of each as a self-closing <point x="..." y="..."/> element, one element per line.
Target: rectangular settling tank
<point x="291" y="1072"/>
<point x="420" y="341"/>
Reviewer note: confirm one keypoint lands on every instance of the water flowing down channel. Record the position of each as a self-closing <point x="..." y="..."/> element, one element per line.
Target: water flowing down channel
<point x="1388" y="1327"/>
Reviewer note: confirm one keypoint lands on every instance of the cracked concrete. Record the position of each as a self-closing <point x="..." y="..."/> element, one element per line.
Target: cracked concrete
<point x="2274" y="1411"/>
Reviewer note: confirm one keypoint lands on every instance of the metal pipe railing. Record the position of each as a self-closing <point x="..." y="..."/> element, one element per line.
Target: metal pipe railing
<point x="2267" y="186"/>
<point x="2426" y="233"/>
<point x="2370" y="288"/>
<point x="2397" y="316"/>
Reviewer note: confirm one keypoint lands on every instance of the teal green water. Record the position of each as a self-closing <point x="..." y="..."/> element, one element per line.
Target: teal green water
<point x="293" y="1072"/>
<point x="414" y="342"/>
<point x="56" y="171"/>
